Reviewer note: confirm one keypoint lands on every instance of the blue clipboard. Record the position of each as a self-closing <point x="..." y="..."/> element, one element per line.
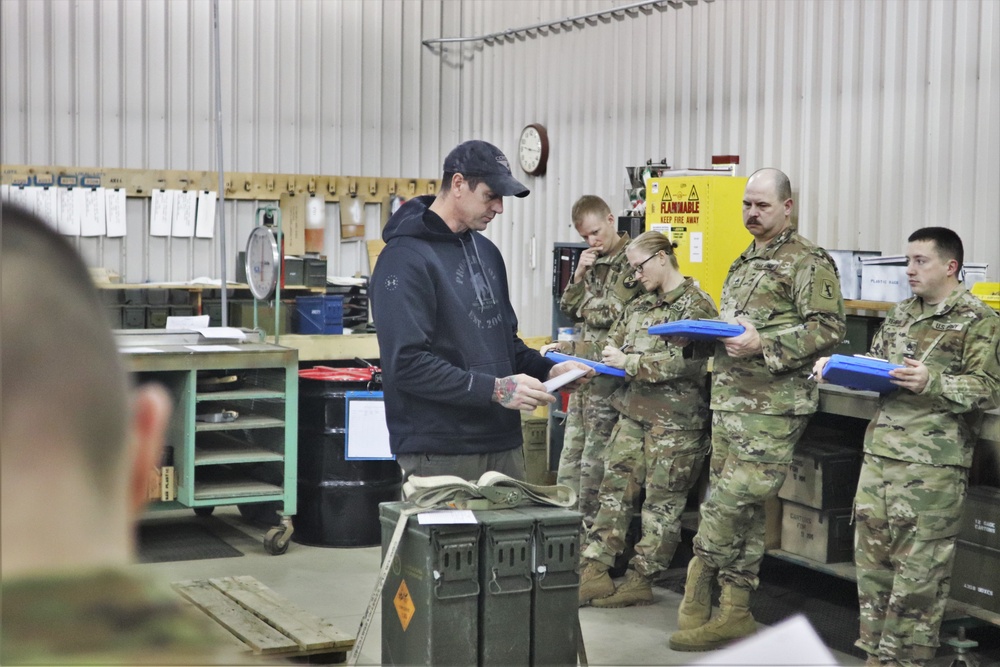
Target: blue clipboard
<point x="596" y="365"/>
<point x="697" y="329"/>
<point x="865" y="373"/>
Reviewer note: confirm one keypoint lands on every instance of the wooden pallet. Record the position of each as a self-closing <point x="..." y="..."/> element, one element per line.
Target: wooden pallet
<point x="264" y="622"/>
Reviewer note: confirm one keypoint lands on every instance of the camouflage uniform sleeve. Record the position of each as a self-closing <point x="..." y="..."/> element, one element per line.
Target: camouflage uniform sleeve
<point x="594" y="349"/>
<point x="587" y="349"/>
<point x="878" y="347"/>
<point x="820" y="307"/>
<point x="572" y="299"/>
<point x="978" y="387"/>
<point x="664" y="361"/>
<point x="604" y="309"/>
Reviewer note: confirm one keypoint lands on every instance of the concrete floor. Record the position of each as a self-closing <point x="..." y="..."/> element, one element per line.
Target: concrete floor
<point x="336" y="584"/>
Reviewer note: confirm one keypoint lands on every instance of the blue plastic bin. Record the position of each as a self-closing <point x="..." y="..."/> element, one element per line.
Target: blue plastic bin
<point x="323" y="314"/>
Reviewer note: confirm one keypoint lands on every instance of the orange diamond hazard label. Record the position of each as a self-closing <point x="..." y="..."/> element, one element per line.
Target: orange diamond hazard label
<point x="404" y="604"/>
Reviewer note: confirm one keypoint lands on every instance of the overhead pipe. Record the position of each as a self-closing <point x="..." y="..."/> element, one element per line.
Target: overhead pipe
<point x="568" y="22"/>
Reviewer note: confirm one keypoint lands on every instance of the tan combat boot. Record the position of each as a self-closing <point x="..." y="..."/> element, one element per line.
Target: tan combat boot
<point x="733" y="622"/>
<point x="636" y="590"/>
<point x="595" y="582"/>
<point x="696" y="607"/>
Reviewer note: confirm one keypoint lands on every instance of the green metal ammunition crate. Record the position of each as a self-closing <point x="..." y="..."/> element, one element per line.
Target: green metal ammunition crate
<point x="503" y="591"/>
<point x="430" y="600"/>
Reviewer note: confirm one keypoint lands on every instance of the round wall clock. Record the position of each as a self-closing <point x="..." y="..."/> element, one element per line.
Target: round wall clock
<point x="263" y="262"/>
<point x="533" y="149"/>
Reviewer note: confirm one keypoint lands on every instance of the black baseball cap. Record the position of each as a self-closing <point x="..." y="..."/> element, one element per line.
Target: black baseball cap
<point x="483" y="160"/>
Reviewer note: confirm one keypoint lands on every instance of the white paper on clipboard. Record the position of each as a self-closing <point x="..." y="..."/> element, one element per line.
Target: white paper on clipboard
<point x="367" y="433"/>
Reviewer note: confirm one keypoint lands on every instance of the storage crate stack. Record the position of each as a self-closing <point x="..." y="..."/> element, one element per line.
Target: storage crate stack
<point x="505" y="589"/>
<point x="146" y="308"/>
<point x="816" y="500"/>
<point x="355" y="299"/>
<point x="975" y="577"/>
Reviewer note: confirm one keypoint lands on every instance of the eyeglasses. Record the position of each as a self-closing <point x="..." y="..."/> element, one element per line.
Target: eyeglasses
<point x="637" y="269"/>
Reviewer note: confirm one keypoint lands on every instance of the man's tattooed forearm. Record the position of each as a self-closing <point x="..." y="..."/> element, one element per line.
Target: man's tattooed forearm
<point x="503" y="390"/>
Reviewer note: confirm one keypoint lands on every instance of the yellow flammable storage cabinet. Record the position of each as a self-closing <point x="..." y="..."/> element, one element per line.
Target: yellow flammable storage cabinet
<point x="703" y="215"/>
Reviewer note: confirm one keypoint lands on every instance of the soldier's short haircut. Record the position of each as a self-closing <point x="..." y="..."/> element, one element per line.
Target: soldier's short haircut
<point x="782" y="186"/>
<point x="589" y="205"/>
<point x="654" y="242"/>
<point x="61" y="367"/>
<point x="947" y="242"/>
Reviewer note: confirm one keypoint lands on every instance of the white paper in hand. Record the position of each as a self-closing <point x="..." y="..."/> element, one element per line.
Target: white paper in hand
<point x="561" y="380"/>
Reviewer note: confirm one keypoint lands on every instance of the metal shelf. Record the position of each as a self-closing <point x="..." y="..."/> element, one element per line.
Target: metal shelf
<point x="225" y="463"/>
<point x="245" y="422"/>
<point x="242" y="489"/>
<point x="239" y="395"/>
<point x="232" y="451"/>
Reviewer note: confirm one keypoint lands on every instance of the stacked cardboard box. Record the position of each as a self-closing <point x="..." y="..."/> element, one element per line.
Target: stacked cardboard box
<point x="975" y="576"/>
<point x="816" y="501"/>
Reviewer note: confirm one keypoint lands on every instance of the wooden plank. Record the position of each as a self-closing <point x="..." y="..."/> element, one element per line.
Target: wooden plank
<point x="259" y="636"/>
<point x="226" y="636"/>
<point x="310" y="632"/>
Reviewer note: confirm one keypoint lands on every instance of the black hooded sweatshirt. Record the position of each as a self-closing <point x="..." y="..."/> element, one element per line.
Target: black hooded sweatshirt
<point x="446" y="330"/>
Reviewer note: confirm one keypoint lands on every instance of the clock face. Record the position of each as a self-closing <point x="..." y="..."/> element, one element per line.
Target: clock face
<point x="533" y="149"/>
<point x="262" y="262"/>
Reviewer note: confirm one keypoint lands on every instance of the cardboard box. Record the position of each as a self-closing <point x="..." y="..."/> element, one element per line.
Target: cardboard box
<point x="293" y="222"/>
<point x="884" y="279"/>
<point x="981" y="516"/>
<point x="822" y="475"/>
<point x="975" y="576"/>
<point x="168" y="483"/>
<point x="161" y="485"/>
<point x="772" y="522"/>
<point x="374" y="248"/>
<point x="153" y="485"/>
<point x="849" y="267"/>
<point x="825" y="536"/>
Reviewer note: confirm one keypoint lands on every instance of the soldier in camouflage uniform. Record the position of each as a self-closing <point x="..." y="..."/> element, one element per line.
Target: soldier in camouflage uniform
<point x="660" y="440"/>
<point x="784" y="289"/>
<point x="601" y="287"/>
<point x="918" y="449"/>
<point x="77" y="446"/>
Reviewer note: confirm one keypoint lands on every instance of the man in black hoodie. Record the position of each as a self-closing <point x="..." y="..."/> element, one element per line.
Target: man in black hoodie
<point x="455" y="372"/>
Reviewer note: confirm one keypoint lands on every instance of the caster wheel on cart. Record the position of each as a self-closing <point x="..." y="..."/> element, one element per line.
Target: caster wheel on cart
<point x="276" y="541"/>
<point x="204" y="510"/>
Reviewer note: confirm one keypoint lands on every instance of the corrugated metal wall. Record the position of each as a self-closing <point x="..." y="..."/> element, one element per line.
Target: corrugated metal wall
<point x="883" y="112"/>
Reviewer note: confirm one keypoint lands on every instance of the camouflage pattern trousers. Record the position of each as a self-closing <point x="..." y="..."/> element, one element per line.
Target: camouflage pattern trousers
<point x="668" y="463"/>
<point x="589" y="422"/>
<point x="750" y="458"/>
<point x="907" y="519"/>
